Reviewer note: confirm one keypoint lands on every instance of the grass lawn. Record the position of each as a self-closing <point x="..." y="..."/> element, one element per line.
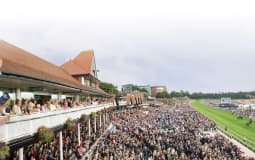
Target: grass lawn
<point x="236" y="128"/>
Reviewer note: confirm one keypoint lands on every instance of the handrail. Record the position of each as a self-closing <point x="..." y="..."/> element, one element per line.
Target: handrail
<point x="37" y="115"/>
<point x="27" y="125"/>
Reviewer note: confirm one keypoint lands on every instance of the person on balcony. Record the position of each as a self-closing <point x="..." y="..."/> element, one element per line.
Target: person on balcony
<point x="57" y="105"/>
<point x="24" y="106"/>
<point x="4" y="101"/>
<point x="44" y="107"/>
<point x="33" y="107"/>
<point x="65" y="105"/>
<point x="51" y="106"/>
<point x="3" y="110"/>
<point x="16" y="109"/>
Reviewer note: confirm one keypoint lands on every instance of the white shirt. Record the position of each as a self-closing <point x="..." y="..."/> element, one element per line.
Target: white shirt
<point x="16" y="110"/>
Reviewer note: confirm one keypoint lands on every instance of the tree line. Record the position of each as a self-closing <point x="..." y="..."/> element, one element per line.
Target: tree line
<point x="200" y="95"/>
<point x="112" y="89"/>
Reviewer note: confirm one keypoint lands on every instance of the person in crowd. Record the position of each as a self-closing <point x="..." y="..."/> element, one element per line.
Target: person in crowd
<point x="51" y="106"/>
<point x="57" y="104"/>
<point x="44" y="107"/>
<point x="16" y="109"/>
<point x="69" y="103"/>
<point x="33" y="108"/>
<point x="37" y="108"/>
<point x="3" y="110"/>
<point x="65" y="104"/>
<point x="75" y="104"/>
<point x="24" y="106"/>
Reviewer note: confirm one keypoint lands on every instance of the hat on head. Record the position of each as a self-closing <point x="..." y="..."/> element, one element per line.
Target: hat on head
<point x="4" y="98"/>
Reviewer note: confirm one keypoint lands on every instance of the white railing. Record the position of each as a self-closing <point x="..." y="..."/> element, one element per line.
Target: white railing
<point x="20" y="126"/>
<point x="122" y="103"/>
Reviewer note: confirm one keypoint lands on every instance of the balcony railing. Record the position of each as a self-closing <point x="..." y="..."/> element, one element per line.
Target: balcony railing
<point x="25" y="125"/>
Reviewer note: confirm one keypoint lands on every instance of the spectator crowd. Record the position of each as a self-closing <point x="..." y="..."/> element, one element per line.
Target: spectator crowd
<point x="164" y="134"/>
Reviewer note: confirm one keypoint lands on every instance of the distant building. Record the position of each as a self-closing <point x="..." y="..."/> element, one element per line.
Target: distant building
<point x="83" y="68"/>
<point x="147" y="88"/>
<point x="225" y="100"/>
<point x="157" y="89"/>
<point x="127" y="88"/>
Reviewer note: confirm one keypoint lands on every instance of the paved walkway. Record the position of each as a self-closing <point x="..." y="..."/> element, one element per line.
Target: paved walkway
<point x="89" y="153"/>
<point x="244" y="149"/>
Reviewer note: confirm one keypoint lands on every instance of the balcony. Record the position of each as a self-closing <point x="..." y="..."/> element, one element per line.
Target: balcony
<point x="27" y="125"/>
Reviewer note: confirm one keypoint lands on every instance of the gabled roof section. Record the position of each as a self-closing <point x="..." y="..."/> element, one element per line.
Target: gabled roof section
<point x="81" y="64"/>
<point x="22" y="62"/>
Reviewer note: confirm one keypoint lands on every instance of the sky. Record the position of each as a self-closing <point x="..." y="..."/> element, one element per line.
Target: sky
<point x="197" y="45"/>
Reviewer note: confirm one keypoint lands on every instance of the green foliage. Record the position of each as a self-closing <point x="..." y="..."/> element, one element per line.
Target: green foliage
<point x="175" y="94"/>
<point x="69" y="123"/>
<point x="93" y="114"/>
<point x="45" y="134"/>
<point x="200" y="95"/>
<point x="109" y="88"/>
<point x="4" y="150"/>
<point x="146" y="95"/>
<point x="162" y="95"/>
<point x="84" y="118"/>
<point x="233" y="95"/>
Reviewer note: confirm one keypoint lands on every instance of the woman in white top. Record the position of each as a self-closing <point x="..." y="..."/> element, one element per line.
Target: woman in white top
<point x="16" y="108"/>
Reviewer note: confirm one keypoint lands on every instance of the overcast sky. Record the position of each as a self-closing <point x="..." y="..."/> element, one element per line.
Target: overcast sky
<point x="190" y="45"/>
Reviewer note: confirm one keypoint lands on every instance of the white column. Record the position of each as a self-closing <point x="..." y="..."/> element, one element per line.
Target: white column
<point x="59" y="96"/>
<point x="79" y="133"/>
<point x="18" y="93"/>
<point x="100" y="120"/>
<point x="77" y="98"/>
<point x="21" y="153"/>
<point x="95" y="123"/>
<point x="104" y="119"/>
<point x="61" y="145"/>
<point x="89" y="127"/>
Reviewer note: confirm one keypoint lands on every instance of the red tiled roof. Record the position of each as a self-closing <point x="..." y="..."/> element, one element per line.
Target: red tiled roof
<point x="81" y="64"/>
<point x="19" y="61"/>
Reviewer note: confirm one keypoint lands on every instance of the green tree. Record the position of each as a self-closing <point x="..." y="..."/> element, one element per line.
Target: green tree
<point x="162" y="95"/>
<point x="146" y="95"/>
<point x="109" y="88"/>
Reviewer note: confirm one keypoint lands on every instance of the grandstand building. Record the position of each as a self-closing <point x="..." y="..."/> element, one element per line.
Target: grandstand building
<point x="23" y="75"/>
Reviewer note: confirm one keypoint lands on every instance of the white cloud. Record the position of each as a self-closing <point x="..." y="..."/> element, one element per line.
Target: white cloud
<point x="191" y="45"/>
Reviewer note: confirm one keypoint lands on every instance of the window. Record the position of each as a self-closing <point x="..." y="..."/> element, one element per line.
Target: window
<point x="82" y="81"/>
<point x="87" y="82"/>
